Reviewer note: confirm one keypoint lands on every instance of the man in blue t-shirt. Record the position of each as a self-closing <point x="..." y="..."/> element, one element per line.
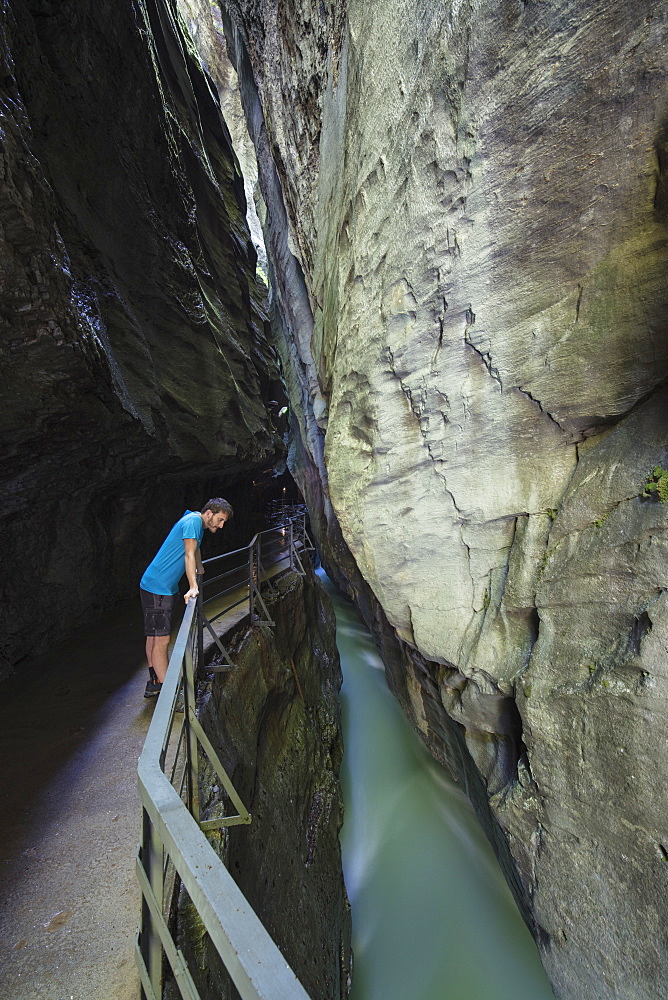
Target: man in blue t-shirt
<point x="178" y="554"/>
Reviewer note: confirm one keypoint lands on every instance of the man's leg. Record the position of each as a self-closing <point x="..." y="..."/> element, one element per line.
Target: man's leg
<point x="157" y="626"/>
<point x="149" y="657"/>
<point x="159" y="658"/>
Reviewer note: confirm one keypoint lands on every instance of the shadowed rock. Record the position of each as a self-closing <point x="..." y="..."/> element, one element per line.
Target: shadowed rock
<point x="132" y="329"/>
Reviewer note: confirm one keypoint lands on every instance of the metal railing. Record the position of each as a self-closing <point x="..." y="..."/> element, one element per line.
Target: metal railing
<point x="174" y="848"/>
<point x="239" y="582"/>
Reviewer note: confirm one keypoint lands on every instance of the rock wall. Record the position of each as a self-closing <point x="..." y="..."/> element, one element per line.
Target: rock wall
<point x="132" y="329"/>
<point x="467" y="229"/>
<point x="203" y="20"/>
<point x="283" y="755"/>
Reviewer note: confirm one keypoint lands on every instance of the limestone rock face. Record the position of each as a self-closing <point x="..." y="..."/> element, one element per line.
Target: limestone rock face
<point x="132" y="329"/>
<point x="278" y="733"/>
<point x="467" y="222"/>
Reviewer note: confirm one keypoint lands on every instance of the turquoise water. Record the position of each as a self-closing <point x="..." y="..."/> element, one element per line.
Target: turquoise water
<point x="433" y="918"/>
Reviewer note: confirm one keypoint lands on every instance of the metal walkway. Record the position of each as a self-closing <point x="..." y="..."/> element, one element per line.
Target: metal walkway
<point x="174" y="848"/>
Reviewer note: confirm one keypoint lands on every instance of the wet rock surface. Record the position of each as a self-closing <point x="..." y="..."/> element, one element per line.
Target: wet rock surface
<point x="467" y="229"/>
<point x="283" y="755"/>
<point x="132" y="328"/>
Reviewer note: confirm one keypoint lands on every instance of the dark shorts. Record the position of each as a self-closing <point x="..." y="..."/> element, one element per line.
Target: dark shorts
<point x="158" y="611"/>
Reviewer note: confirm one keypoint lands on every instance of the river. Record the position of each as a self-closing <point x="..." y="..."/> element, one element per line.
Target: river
<point x="432" y="916"/>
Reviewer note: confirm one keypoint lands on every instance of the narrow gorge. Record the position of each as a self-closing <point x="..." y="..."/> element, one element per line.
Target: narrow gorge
<point x="454" y="274"/>
<point x="474" y="337"/>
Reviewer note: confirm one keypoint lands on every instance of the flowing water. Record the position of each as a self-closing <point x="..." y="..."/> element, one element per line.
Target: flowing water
<point x="433" y="918"/>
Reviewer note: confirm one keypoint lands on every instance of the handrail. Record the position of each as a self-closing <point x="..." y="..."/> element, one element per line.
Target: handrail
<point x="292" y="535"/>
<point x="174" y="835"/>
<point x="249" y="546"/>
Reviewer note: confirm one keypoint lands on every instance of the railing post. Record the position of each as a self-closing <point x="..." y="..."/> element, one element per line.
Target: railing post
<point x="200" y="625"/>
<point x="251" y="583"/>
<point x="291" y="543"/>
<point x="153" y="863"/>
<point x="191" y="736"/>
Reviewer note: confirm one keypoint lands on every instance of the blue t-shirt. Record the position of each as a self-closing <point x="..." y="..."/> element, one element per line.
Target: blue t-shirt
<point x="163" y="574"/>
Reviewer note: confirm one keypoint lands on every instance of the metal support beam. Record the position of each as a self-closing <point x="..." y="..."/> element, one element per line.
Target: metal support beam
<point x="251" y="582"/>
<point x="291" y="544"/>
<point x="174" y="956"/>
<point x="151" y="853"/>
<point x="243" y="814"/>
<point x="256" y="966"/>
<point x="206" y="624"/>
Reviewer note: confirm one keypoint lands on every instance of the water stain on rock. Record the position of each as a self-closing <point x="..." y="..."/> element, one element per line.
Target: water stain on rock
<point x="58" y="921"/>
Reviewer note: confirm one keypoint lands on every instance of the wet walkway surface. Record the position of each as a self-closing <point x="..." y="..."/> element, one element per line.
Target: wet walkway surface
<point x="74" y="723"/>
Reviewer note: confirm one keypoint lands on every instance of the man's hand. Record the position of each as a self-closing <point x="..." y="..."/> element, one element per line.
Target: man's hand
<point x="193" y="592"/>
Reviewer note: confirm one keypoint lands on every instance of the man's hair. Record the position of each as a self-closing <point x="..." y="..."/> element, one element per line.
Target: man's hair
<point x="218" y="506"/>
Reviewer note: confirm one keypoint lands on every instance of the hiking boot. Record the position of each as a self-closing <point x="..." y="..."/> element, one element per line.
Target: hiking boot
<point x="152" y="689"/>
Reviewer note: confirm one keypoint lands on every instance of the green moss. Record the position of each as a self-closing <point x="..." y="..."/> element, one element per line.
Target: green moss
<point x="603" y="519"/>
<point x="657" y="484"/>
<point x="527" y="690"/>
<point x="485" y="600"/>
<point x="552" y="513"/>
<point x="546" y="556"/>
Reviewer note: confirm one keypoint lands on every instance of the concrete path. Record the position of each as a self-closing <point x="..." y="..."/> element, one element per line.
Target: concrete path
<point x="73" y="725"/>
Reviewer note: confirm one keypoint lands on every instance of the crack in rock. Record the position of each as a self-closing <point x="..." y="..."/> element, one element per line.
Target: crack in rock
<point x="485" y="356"/>
<point x="441" y="327"/>
<point x="418" y="410"/>
<point x="546" y="413"/>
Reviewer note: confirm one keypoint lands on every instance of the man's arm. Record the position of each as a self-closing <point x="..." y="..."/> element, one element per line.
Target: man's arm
<point x="198" y="560"/>
<point x="190" y="545"/>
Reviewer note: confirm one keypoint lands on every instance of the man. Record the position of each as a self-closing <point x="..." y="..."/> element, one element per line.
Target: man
<point x="178" y="554"/>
